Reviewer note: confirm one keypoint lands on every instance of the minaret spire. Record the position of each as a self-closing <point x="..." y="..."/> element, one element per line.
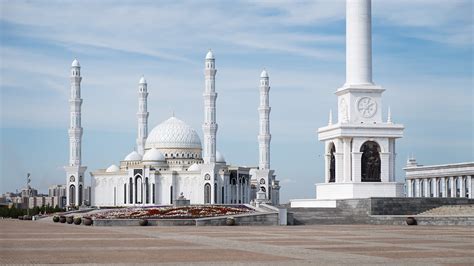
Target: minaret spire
<point x="75" y="171"/>
<point x="142" y="116"/>
<point x="264" y="109"/>
<point x="209" y="126"/>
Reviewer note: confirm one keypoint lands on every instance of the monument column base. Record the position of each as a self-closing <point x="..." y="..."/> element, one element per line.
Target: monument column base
<point x="334" y="191"/>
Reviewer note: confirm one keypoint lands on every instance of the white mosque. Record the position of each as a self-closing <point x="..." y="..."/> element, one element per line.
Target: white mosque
<point x="170" y="162"/>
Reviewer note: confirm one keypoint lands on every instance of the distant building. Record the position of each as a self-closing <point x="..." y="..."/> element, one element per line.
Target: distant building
<point x="439" y="181"/>
<point x="28" y="192"/>
<point x="57" y="191"/>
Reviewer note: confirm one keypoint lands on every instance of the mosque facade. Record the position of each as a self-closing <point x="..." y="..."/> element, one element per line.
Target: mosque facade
<point x="170" y="160"/>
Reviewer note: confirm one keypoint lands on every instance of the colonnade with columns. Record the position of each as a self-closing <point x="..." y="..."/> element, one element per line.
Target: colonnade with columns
<point x="440" y="187"/>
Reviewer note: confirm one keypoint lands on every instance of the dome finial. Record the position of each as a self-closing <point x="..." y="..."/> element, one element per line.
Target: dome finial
<point x="264" y="73"/>
<point x="142" y="80"/>
<point x="75" y="63"/>
<point x="209" y="55"/>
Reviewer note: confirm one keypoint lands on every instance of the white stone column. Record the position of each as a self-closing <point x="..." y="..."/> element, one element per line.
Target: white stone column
<point x="347" y="159"/>
<point x="339" y="167"/>
<point x="393" y="155"/>
<point x="327" y="163"/>
<point x="469" y="186"/>
<point x="384" y="168"/>
<point x="358" y="42"/>
<point x="453" y="187"/>
<point x="417" y="187"/>
<point x="409" y="188"/>
<point x="427" y="187"/>
<point x="356" y="169"/>
<point x="462" y="188"/>
<point x="435" y="187"/>
<point x="444" y="191"/>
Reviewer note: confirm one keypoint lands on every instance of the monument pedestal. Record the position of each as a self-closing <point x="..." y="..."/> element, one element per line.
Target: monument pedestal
<point x="333" y="191"/>
<point x="328" y="193"/>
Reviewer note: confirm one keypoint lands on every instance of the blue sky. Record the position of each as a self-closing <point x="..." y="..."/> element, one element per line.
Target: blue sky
<point x="422" y="56"/>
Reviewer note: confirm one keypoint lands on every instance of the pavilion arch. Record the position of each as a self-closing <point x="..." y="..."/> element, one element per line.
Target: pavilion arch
<point x="72" y="195"/>
<point x="370" y="162"/>
<point x="332" y="162"/>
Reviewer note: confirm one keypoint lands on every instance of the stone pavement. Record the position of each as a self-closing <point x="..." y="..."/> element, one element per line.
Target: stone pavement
<point x="26" y="242"/>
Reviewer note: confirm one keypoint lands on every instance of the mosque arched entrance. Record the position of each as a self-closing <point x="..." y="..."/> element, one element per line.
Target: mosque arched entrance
<point x="370" y="162"/>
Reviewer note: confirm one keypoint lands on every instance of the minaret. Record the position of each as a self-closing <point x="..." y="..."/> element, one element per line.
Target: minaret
<point x="210" y="126"/>
<point x="74" y="171"/>
<point x="264" y="109"/>
<point x="267" y="187"/>
<point x="358" y="42"/>
<point x="142" y="116"/>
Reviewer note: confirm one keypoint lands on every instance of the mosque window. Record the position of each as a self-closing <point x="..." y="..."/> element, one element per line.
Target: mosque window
<point x="207" y="193"/>
<point x="124" y="193"/>
<point x="215" y="193"/>
<point x="153" y="193"/>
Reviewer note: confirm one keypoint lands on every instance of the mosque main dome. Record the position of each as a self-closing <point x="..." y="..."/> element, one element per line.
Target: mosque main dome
<point x="173" y="134"/>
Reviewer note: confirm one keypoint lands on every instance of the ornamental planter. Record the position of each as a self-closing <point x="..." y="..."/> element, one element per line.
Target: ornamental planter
<point x="56" y="219"/>
<point x="77" y="220"/>
<point x="69" y="219"/>
<point x="62" y="219"/>
<point x="87" y="221"/>
<point x="143" y="222"/>
<point x="230" y="221"/>
<point x="411" y="221"/>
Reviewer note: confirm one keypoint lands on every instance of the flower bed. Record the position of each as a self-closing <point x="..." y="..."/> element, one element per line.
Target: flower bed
<point x="184" y="212"/>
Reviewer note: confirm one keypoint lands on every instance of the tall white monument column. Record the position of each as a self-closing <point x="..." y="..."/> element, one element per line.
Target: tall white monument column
<point x="142" y="116"/>
<point x="210" y="126"/>
<point x="75" y="171"/>
<point x="358" y="42"/>
<point x="363" y="143"/>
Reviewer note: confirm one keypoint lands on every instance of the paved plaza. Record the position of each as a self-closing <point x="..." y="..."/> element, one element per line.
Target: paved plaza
<point x="24" y="242"/>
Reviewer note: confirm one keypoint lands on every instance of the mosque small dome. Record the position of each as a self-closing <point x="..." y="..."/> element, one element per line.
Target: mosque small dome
<point x="171" y="134"/>
<point x="133" y="156"/>
<point x="142" y="80"/>
<point x="264" y="74"/>
<point x="154" y="155"/>
<point x="75" y="63"/>
<point x="219" y="157"/>
<point x="112" y="168"/>
<point x="194" y="167"/>
<point x="209" y="55"/>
